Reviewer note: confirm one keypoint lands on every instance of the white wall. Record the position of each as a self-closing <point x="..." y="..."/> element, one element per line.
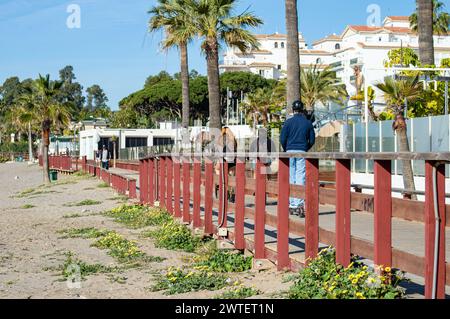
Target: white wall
<point x="397" y="182"/>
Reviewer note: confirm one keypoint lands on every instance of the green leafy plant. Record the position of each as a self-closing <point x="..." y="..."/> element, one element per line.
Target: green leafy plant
<point x="67" y="269"/>
<point x="124" y="250"/>
<point x="325" y="279"/>
<point x="175" y="236"/>
<point x="239" y="292"/>
<point x="224" y="261"/>
<point x="27" y="206"/>
<point x="103" y="185"/>
<point x="86" y="202"/>
<point x="86" y="233"/>
<point x="177" y="281"/>
<point x="138" y="216"/>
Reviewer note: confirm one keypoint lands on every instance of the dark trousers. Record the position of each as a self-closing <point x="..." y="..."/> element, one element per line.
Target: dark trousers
<point x="105" y="165"/>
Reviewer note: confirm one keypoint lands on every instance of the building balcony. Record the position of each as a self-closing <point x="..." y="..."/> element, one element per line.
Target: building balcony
<point x="337" y="65"/>
<point x="356" y="61"/>
<point x="232" y="63"/>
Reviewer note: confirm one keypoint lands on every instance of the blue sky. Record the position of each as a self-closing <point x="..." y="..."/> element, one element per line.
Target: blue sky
<point x="113" y="49"/>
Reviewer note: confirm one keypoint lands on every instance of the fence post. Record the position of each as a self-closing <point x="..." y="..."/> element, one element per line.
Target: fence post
<point x="143" y="181"/>
<point x="209" y="189"/>
<point x="197" y="192"/>
<point x="169" y="203"/>
<point x="177" y="187"/>
<point x="239" y="240"/>
<point x="260" y="210"/>
<point x="150" y="180"/>
<point x="382" y="213"/>
<point x="283" y="260"/>
<point x="312" y="208"/>
<point x="430" y="230"/>
<point x="162" y="181"/>
<point x="223" y="195"/>
<point x="132" y="188"/>
<point x="186" y="190"/>
<point x="343" y="229"/>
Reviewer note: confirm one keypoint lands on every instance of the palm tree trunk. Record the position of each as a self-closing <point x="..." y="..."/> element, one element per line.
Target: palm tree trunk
<point x="184" y="85"/>
<point x="403" y="145"/>
<point x="212" y="59"/>
<point x="425" y="28"/>
<point x="293" y="54"/>
<point x="45" y="145"/>
<point x="30" y="144"/>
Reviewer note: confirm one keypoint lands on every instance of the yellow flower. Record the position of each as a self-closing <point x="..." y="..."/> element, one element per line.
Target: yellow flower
<point x="387" y="269"/>
<point x="354" y="281"/>
<point x="359" y="295"/>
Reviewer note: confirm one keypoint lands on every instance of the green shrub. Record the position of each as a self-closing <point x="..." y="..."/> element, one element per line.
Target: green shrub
<point x="119" y="247"/>
<point x="67" y="269"/>
<point x="224" y="261"/>
<point x="138" y="216"/>
<point x="124" y="250"/>
<point x="239" y="292"/>
<point x="175" y="236"/>
<point x="86" y="233"/>
<point x="17" y="147"/>
<point x="324" y="279"/>
<point x="178" y="281"/>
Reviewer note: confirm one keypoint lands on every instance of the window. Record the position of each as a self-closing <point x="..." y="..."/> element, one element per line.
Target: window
<point x="279" y="66"/>
<point x="282" y="45"/>
<point x="162" y="141"/>
<point x="318" y="60"/>
<point x="276" y="45"/>
<point x="135" y="141"/>
<point x="337" y="46"/>
<point x="261" y="72"/>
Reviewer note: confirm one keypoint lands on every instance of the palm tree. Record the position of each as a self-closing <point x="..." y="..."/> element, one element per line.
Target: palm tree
<point x="256" y="107"/>
<point x="425" y="30"/>
<point x="50" y="113"/>
<point x="441" y="19"/>
<point x="396" y="95"/>
<point x="360" y="97"/>
<point x="264" y="105"/>
<point x="215" y="23"/>
<point x="174" y="17"/>
<point x="23" y="116"/>
<point x="320" y="86"/>
<point x="293" y="54"/>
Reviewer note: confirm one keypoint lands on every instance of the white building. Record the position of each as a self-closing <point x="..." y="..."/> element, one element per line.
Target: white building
<point x="94" y="139"/>
<point x="168" y="133"/>
<point x="358" y="45"/>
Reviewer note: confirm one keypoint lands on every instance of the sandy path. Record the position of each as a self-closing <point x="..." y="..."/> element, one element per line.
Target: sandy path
<point x="29" y="242"/>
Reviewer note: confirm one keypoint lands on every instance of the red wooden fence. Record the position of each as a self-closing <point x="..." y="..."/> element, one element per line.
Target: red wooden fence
<point x="174" y="183"/>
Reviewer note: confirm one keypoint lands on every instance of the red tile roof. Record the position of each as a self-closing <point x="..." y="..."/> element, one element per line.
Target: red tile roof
<point x="398" y="18"/>
<point x="332" y="37"/>
<point x="365" y="28"/>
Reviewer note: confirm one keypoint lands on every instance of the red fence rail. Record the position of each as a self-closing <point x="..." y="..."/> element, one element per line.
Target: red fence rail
<point x="122" y="184"/>
<point x="174" y="180"/>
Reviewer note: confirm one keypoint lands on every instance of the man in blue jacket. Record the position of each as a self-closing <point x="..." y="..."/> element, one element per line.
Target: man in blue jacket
<point x="297" y="136"/>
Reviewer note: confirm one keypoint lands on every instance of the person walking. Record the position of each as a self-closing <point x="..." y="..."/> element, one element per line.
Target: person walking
<point x="297" y="136"/>
<point x="105" y="158"/>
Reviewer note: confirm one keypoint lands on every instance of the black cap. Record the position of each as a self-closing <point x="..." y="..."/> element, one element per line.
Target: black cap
<point x="297" y="106"/>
